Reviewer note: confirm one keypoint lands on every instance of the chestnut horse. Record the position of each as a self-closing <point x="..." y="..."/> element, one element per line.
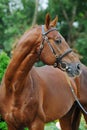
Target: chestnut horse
<point x="72" y="118"/>
<point x="28" y="97"/>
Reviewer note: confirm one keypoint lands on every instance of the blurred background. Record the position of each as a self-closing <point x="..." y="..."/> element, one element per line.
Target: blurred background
<point x="16" y="16"/>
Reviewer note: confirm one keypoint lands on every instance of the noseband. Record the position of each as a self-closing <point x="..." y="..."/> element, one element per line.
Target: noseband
<point x="58" y="58"/>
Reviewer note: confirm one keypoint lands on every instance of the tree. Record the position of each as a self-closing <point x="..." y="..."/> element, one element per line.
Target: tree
<point x="14" y="21"/>
<point x="35" y="12"/>
<point x="68" y="11"/>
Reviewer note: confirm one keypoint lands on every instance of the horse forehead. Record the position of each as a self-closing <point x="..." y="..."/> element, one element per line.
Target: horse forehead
<point x="54" y="33"/>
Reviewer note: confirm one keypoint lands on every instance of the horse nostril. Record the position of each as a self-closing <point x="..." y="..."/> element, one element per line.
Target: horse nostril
<point x="78" y="66"/>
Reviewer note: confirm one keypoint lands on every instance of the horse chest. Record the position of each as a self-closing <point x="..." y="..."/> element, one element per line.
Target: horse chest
<point x="21" y="113"/>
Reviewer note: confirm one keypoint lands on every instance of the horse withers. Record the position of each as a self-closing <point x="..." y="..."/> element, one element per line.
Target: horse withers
<point x="26" y="95"/>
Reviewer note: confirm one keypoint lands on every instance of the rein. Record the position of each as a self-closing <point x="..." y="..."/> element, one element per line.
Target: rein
<point x="58" y="58"/>
<point x="76" y="98"/>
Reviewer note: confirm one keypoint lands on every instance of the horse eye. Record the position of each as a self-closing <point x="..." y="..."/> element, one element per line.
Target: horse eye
<point x="58" y="41"/>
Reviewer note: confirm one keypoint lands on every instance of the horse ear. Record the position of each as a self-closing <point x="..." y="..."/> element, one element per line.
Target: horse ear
<point x="47" y="20"/>
<point x="54" y="22"/>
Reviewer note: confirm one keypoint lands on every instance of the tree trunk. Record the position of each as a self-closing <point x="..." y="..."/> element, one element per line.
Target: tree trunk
<point x="35" y="12"/>
<point x="70" y="22"/>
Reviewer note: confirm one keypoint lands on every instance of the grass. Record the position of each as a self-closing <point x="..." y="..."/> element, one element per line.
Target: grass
<point x="49" y="126"/>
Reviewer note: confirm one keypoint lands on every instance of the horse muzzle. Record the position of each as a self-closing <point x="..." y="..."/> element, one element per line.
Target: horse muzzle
<point x="72" y="69"/>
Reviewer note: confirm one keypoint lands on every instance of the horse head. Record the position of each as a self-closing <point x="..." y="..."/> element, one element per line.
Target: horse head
<point x="54" y="50"/>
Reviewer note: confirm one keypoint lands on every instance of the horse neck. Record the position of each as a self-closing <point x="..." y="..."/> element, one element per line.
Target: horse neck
<point x="21" y="73"/>
<point x="23" y="59"/>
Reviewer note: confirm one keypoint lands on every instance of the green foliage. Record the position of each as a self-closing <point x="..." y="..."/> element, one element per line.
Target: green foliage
<point x="3" y="126"/>
<point x="51" y="126"/>
<point x="4" y="60"/>
<point x="14" y="21"/>
<point x="39" y="63"/>
<point x="48" y="126"/>
<point x="81" y="41"/>
<point x="81" y="46"/>
<point x="25" y="128"/>
<point x="83" y="125"/>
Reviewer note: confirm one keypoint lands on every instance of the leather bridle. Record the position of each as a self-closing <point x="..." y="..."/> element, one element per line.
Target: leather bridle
<point x="58" y="62"/>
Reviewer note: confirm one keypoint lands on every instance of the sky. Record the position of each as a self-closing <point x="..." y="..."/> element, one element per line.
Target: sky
<point x="15" y="4"/>
<point x="43" y="4"/>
